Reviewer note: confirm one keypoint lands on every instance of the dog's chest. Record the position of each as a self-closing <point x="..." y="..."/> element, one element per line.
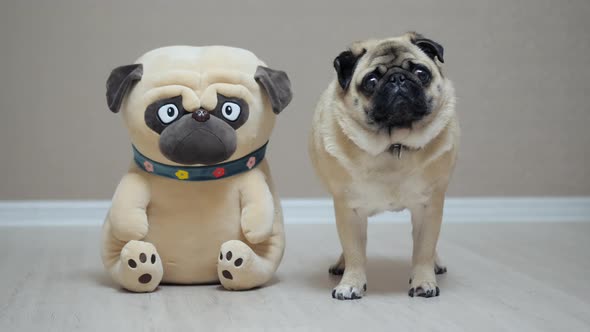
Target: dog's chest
<point x="385" y="184"/>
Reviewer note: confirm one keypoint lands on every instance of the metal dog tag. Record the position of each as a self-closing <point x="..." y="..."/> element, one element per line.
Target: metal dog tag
<point x="396" y="149"/>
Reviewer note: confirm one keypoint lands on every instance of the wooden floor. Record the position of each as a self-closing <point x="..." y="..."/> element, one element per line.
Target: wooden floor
<point x="502" y="277"/>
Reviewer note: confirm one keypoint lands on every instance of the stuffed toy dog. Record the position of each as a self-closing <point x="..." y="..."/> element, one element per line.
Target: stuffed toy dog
<point x="197" y="204"/>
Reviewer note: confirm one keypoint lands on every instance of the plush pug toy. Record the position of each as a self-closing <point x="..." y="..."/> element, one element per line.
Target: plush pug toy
<point x="197" y="204"/>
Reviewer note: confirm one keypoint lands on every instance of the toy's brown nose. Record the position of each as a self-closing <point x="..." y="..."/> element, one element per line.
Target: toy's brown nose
<point x="201" y="115"/>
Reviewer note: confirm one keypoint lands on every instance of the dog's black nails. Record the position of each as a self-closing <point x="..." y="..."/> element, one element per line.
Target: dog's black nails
<point x="420" y="292"/>
<point x="440" y="270"/>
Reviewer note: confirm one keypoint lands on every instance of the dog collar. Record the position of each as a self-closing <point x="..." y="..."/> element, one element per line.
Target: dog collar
<point x="200" y="173"/>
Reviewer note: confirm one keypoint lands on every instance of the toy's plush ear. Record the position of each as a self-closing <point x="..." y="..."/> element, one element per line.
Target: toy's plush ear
<point x="119" y="83"/>
<point x="277" y="86"/>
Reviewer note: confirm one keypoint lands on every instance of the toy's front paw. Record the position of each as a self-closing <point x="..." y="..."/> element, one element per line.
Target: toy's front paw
<point x="257" y="219"/>
<point x="257" y="236"/>
<point x="129" y="228"/>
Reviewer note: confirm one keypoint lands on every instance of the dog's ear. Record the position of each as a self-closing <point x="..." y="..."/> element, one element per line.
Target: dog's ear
<point x="345" y="63"/>
<point x="430" y="47"/>
<point x="277" y="85"/>
<point x="119" y="83"/>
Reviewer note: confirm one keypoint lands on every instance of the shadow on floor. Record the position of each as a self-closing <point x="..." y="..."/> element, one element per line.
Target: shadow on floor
<point x="385" y="275"/>
<point x="99" y="277"/>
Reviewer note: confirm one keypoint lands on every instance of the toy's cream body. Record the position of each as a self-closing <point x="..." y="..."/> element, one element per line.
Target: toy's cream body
<point x="228" y="230"/>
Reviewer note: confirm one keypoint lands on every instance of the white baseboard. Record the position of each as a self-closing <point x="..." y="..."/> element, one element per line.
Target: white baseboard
<point x="320" y="211"/>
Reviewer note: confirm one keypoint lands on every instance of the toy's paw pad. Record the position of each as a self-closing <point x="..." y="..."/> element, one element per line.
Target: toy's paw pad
<point x="227" y="275"/>
<point x="233" y="264"/>
<point x="145" y="278"/>
<point x="141" y="267"/>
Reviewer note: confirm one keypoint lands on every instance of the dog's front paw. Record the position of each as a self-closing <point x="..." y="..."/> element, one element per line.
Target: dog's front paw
<point x="350" y="289"/>
<point x="424" y="289"/>
<point x="348" y="292"/>
<point x="353" y="284"/>
<point x="423" y="281"/>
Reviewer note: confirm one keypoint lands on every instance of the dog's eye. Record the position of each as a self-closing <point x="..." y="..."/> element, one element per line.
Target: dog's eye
<point x="168" y="113"/>
<point x="230" y="111"/>
<point x="422" y="74"/>
<point x="370" y="83"/>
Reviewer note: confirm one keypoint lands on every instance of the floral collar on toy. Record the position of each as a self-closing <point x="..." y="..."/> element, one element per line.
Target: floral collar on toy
<point x="200" y="173"/>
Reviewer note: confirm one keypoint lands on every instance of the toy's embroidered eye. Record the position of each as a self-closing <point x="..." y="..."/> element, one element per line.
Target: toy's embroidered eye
<point x="231" y="111"/>
<point x="168" y="113"/>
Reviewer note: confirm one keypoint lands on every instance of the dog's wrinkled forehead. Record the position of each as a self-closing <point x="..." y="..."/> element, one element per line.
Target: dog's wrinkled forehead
<point x="395" y="52"/>
<point x="390" y="54"/>
<point x="383" y="55"/>
<point x="407" y="51"/>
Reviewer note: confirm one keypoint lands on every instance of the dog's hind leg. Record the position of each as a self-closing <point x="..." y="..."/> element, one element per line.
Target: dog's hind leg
<point x="338" y="268"/>
<point x="439" y="267"/>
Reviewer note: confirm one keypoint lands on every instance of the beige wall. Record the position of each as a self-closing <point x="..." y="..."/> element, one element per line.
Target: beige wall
<point x="521" y="69"/>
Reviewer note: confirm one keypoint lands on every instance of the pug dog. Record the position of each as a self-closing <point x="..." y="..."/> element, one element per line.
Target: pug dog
<point x="385" y="138"/>
<point x="198" y="203"/>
